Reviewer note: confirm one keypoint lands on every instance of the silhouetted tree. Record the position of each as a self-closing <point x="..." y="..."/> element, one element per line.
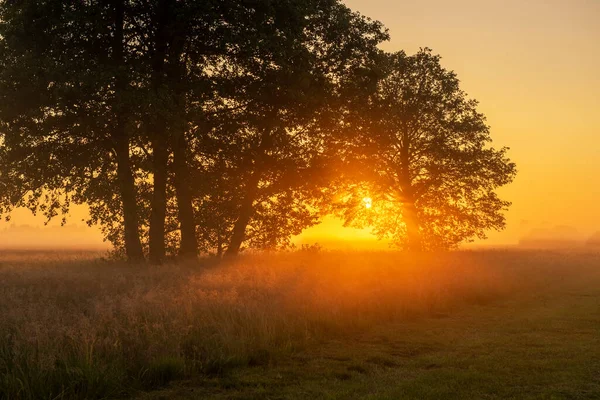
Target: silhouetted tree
<point x="235" y="73"/>
<point x="288" y="95"/>
<point x="282" y="206"/>
<point x="189" y="126"/>
<point x="110" y="103"/>
<point x="66" y="87"/>
<point x="185" y="38"/>
<point x="420" y="150"/>
<point x="255" y="129"/>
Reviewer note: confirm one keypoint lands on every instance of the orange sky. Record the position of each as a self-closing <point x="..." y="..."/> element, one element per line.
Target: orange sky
<point x="535" y="68"/>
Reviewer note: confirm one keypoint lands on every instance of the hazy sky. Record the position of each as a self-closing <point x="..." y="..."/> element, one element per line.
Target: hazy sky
<point x="535" y="68"/>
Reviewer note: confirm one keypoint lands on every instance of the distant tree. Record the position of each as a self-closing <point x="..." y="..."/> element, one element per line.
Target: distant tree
<point x="594" y="240"/>
<point x="419" y="151"/>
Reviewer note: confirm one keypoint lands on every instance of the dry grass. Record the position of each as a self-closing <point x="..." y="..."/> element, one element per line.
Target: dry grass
<point x="82" y="327"/>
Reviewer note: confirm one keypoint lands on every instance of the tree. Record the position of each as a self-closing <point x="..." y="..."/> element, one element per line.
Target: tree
<point x="119" y="97"/>
<point x="282" y="206"/>
<point x="102" y="90"/>
<point x="66" y="84"/>
<point x="290" y="82"/>
<point x="258" y="94"/>
<point x="422" y="153"/>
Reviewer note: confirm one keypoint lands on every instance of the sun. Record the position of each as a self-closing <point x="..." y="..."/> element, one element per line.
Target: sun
<point x="368" y="202"/>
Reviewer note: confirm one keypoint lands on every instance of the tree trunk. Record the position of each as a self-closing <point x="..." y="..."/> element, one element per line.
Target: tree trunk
<point x="219" y="244"/>
<point x="158" y="214"/>
<point x="246" y="210"/>
<point x="239" y="229"/>
<point x="133" y="246"/>
<point x="176" y="75"/>
<point x="183" y="192"/>
<point x="413" y="227"/>
<point x="410" y="212"/>
<point x="160" y="152"/>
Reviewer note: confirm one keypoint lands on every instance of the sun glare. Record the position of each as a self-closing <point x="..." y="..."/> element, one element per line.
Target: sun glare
<point x="368" y="202"/>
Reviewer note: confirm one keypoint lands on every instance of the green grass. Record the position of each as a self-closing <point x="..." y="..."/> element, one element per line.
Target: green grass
<point x="542" y="345"/>
<point x="464" y="325"/>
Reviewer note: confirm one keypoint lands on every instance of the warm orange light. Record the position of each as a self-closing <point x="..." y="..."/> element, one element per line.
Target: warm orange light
<point x="368" y="202"/>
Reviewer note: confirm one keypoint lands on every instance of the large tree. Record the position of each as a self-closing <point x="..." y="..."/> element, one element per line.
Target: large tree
<point x="112" y="104"/>
<point x="423" y="171"/>
<point x="249" y="84"/>
<point x="257" y="117"/>
<point x="289" y="93"/>
<point x="66" y="90"/>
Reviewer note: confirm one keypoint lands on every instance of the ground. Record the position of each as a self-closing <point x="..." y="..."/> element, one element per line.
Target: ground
<point x="305" y="325"/>
<point x="541" y="345"/>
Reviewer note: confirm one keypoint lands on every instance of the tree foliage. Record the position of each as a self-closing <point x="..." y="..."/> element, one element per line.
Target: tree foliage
<point x="214" y="126"/>
<point x="421" y="151"/>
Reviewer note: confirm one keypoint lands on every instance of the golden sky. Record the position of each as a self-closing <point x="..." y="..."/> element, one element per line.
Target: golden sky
<point x="535" y="68"/>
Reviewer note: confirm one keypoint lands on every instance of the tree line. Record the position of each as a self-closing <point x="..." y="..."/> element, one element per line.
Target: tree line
<point x="209" y="126"/>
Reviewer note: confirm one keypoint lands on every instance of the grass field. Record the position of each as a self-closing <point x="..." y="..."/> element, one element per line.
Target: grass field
<point x="464" y="325"/>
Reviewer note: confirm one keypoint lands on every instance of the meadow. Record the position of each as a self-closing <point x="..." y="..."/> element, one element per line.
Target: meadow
<point x="305" y="324"/>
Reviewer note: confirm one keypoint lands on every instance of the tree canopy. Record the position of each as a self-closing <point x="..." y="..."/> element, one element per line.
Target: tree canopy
<point x="421" y="152"/>
<point x="206" y="127"/>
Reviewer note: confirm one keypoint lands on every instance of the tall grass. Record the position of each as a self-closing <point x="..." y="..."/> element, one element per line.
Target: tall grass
<point x="88" y="328"/>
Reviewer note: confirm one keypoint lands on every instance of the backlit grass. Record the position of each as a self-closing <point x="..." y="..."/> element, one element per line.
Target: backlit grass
<point x="83" y="327"/>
